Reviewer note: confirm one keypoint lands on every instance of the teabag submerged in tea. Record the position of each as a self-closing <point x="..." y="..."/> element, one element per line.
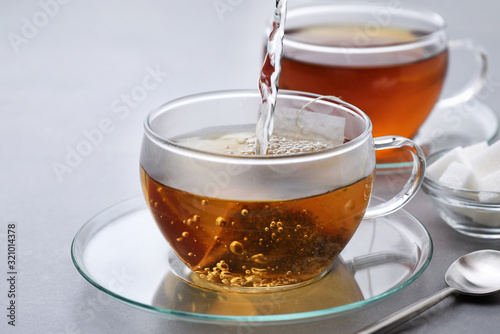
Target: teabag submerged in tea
<point x="255" y="241"/>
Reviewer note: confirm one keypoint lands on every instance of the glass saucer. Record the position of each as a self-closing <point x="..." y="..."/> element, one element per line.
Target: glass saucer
<point x="449" y="127"/>
<point x="121" y="252"/>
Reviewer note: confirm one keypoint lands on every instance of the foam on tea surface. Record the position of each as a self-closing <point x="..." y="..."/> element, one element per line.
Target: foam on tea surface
<point x="295" y="132"/>
<point x="244" y="143"/>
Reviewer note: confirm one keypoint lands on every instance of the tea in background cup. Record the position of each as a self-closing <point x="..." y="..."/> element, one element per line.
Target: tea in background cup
<point x="389" y="61"/>
<point x="250" y="223"/>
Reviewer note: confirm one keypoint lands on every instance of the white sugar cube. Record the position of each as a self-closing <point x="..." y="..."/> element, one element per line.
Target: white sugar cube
<point x="459" y="176"/>
<point x="474" y="149"/>
<point x="488" y="197"/>
<point x="487" y="161"/>
<point x="487" y="218"/>
<point x="487" y="185"/>
<point x="475" y="167"/>
<point x="436" y="169"/>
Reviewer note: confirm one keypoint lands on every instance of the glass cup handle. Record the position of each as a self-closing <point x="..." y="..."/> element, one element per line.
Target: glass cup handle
<point x="475" y="84"/>
<point x="414" y="181"/>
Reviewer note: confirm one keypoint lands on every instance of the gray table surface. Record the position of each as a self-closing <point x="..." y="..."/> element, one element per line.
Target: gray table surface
<point x="70" y="67"/>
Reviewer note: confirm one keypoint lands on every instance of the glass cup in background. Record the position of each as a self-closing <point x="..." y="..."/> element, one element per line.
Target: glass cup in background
<point x="389" y="61"/>
<point x="247" y="223"/>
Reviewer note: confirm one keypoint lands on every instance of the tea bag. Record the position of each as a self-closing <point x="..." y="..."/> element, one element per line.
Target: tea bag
<point x="255" y="240"/>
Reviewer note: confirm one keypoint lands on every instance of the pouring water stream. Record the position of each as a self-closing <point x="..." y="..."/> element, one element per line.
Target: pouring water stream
<point x="269" y="78"/>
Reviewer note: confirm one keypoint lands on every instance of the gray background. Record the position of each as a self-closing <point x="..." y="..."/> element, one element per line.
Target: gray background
<point x="75" y="70"/>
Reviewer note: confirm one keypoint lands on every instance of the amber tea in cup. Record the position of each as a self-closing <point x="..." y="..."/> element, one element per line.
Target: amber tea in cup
<point x="256" y="223"/>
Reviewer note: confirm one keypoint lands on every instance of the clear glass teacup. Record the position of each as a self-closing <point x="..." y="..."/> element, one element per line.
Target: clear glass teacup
<point x="389" y="60"/>
<point x="248" y="223"/>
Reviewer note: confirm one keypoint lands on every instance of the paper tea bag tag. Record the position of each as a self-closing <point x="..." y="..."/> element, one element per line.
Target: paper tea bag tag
<point x="312" y="126"/>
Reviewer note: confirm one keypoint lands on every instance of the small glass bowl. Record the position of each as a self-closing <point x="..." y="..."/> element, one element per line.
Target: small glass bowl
<point x="461" y="208"/>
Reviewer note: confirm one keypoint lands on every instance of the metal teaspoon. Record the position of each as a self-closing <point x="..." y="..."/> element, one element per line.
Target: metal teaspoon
<point x="476" y="273"/>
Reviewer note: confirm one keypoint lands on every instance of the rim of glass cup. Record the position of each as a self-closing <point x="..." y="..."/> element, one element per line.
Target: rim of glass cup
<point x="256" y="159"/>
<point x="427" y="16"/>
